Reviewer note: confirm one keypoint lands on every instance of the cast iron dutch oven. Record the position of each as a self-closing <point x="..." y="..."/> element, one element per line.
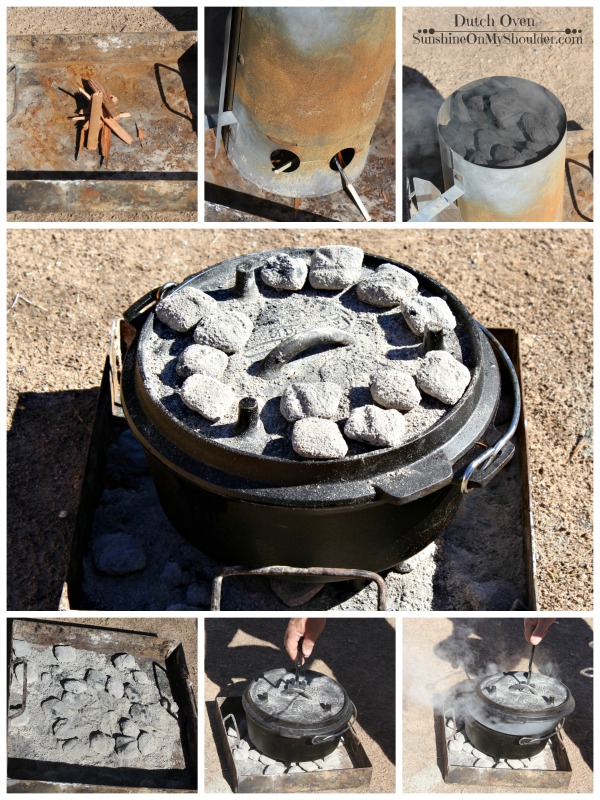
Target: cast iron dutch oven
<point x="508" y="718"/>
<point x="296" y="721"/>
<point x="368" y="511"/>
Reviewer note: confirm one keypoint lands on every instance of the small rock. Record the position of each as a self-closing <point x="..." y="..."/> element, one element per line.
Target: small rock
<point x="284" y="272"/>
<point x="421" y="312"/>
<point x="132" y="455"/>
<point x="484" y="762"/>
<point x="101" y="743"/>
<point x="75" y="748"/>
<point x="172" y="575"/>
<point x="199" y="358"/>
<point x="126" y="747"/>
<point x="64" y="654"/>
<point x="129" y="728"/>
<point x="118" y="554"/>
<point x="302" y="399"/>
<point x="443" y="377"/>
<point x="96" y="679"/>
<point x="335" y="267"/>
<point x="123" y="661"/>
<point x="274" y="769"/>
<point x="239" y="755"/>
<point x="294" y="768"/>
<point x="384" y="428"/>
<point x="198" y="595"/>
<point x="182" y="310"/>
<point x="392" y="388"/>
<point x="75" y="686"/>
<point x="211" y="398"/>
<point x="64" y="729"/>
<point x="313" y="437"/>
<point x="146" y="744"/>
<point x="131" y="693"/>
<point x="308" y="766"/>
<point x="266" y="759"/>
<point x="141" y="677"/>
<point x="387" y="287"/>
<point x="228" y="331"/>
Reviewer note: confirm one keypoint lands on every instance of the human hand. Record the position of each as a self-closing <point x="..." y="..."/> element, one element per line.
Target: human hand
<point x="535" y="628"/>
<point x="309" y="627"/>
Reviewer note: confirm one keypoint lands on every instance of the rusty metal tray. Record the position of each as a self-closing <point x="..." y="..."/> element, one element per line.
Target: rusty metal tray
<point x="154" y="77"/>
<point x="354" y="777"/>
<point x="558" y="778"/>
<point x="170" y="658"/>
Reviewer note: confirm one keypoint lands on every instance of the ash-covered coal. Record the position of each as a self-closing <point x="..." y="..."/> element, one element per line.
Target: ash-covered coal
<point x="503" y="122"/>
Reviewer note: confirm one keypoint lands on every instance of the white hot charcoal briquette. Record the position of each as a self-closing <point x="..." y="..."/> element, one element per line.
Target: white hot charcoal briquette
<point x="226" y="330"/>
<point x="387" y="287"/>
<point x="202" y="359"/>
<point x="208" y="396"/>
<point x="313" y="437"/>
<point x="183" y="309"/>
<point x="284" y="272"/>
<point x="442" y="376"/>
<point x="374" y="425"/>
<point x="335" y="267"/>
<point x="393" y="388"/>
<point x="304" y="399"/>
<point x="427" y="312"/>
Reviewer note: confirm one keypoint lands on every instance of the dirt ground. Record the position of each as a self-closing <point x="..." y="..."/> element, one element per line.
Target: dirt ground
<point x="440" y="653"/>
<point x="66" y="286"/>
<point x="358" y="653"/>
<point x="30" y="21"/>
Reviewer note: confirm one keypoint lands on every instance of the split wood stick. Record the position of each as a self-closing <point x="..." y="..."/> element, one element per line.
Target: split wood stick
<point x="95" y="121"/>
<point x="105" y="138"/>
<point x="81" y="90"/>
<point x="122" y="115"/>
<point x="80" y="118"/>
<point x="117" y="129"/>
<point x="84" y="128"/>
<point x="140" y="134"/>
<point x="106" y="97"/>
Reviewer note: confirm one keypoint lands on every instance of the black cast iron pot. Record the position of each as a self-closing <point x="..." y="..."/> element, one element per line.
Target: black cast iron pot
<point x="370" y="510"/>
<point x="508" y="718"/>
<point x="296" y="722"/>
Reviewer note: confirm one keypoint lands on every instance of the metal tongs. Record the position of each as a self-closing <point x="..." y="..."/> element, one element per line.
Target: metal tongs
<point x="298" y="664"/>
<point x="525" y="687"/>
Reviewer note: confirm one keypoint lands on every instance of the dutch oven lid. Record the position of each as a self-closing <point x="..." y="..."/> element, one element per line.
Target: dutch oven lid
<point x="509" y="693"/>
<point x="212" y="454"/>
<point x="317" y="705"/>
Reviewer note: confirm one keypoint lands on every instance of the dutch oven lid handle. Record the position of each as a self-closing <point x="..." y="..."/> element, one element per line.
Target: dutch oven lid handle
<point x="415" y="481"/>
<point x="320" y="738"/>
<point x="487" y="464"/>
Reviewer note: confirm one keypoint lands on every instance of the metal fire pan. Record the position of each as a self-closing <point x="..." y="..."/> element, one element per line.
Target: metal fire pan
<point x="138" y="643"/>
<point x="558" y="778"/>
<point x="319" y="781"/>
<point x="109" y="423"/>
<point x="154" y="77"/>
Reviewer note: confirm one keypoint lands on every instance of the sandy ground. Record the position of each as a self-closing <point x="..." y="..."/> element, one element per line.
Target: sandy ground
<point x="31" y="21"/>
<point x="439" y="653"/>
<point x="358" y="653"/>
<point x="72" y="283"/>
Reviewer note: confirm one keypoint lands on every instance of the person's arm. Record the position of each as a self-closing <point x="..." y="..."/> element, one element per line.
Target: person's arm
<point x="536" y="628"/>
<point x="309" y="627"/>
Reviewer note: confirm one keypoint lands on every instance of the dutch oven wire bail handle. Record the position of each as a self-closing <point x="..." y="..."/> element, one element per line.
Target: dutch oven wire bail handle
<point x="525" y="740"/>
<point x="321" y="738"/>
<point x="490" y="462"/>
